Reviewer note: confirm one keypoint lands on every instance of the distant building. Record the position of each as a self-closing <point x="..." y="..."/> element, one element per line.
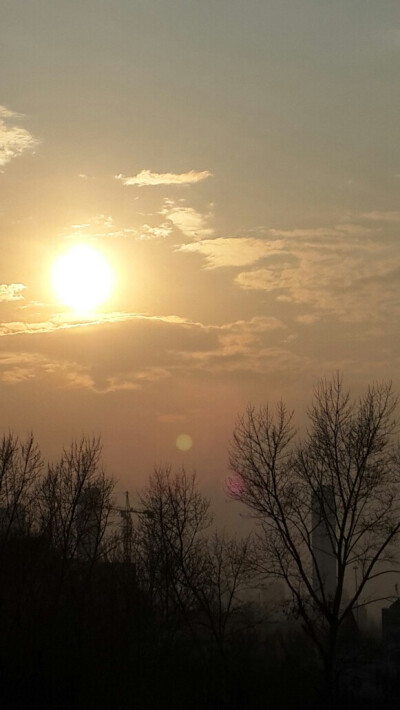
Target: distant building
<point x="271" y="596"/>
<point x="88" y="522"/>
<point x="391" y="624"/>
<point x="361" y="617"/>
<point x="323" y="529"/>
<point x="12" y="520"/>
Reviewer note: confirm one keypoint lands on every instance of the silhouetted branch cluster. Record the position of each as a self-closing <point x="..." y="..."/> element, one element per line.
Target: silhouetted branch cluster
<point x="323" y="504"/>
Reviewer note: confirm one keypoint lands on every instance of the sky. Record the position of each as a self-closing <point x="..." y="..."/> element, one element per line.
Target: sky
<point x="237" y="165"/>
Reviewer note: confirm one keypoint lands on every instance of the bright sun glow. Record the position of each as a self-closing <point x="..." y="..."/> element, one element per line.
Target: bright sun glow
<point x="82" y="278"/>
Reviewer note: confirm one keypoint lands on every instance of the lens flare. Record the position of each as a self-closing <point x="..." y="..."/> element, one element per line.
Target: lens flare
<point x="184" y="442"/>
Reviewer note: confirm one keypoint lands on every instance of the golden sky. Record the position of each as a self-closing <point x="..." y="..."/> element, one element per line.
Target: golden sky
<point x="236" y="164"/>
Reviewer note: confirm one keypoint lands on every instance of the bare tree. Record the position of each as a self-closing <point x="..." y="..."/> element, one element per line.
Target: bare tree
<point x="169" y="542"/>
<point x="74" y="501"/>
<point x="195" y="579"/>
<point x="227" y="572"/>
<point x="20" y="468"/>
<point x="324" y="504"/>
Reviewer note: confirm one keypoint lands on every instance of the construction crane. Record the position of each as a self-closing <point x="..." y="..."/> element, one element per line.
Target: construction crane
<point x="127" y="526"/>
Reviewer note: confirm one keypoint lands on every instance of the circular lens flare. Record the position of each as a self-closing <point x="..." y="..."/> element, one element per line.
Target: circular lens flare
<point x="184" y="442"/>
<point x="82" y="278"/>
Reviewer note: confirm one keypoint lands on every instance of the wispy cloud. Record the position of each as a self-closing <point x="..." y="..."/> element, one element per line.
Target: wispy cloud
<point x="377" y="216"/>
<point x="103" y="226"/>
<point x="97" y="355"/>
<point x="11" y="292"/>
<point x="229" y="251"/>
<point x="308" y="318"/>
<point x="278" y="246"/>
<point x="14" y="140"/>
<point x="339" y="230"/>
<point x="347" y="270"/>
<point x="63" y="321"/>
<point x="146" y="178"/>
<point x="134" y="380"/>
<point x="190" y="222"/>
<point x="348" y="279"/>
<point x="165" y="345"/>
<point x="19" y="367"/>
<point x="162" y="231"/>
<point x="98" y="227"/>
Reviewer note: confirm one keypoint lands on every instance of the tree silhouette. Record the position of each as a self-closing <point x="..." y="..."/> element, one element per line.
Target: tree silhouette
<point x="323" y="504"/>
<point x="74" y="505"/>
<point x="170" y="542"/>
<point x="20" y="469"/>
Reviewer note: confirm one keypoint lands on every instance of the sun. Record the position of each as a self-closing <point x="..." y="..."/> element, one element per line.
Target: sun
<point x="82" y="278"/>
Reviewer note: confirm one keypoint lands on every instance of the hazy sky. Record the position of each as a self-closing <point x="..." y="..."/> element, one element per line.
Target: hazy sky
<point x="237" y="163"/>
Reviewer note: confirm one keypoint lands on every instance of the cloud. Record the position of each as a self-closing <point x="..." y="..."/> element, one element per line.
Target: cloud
<point x="68" y="353"/>
<point x="162" y="231"/>
<point x="170" y="352"/>
<point x="305" y="233"/>
<point x="353" y="281"/>
<point x="16" y="368"/>
<point x="191" y="223"/>
<point x="102" y="226"/>
<point x="230" y="252"/>
<point x="308" y="319"/>
<point x="65" y="321"/>
<point x="98" y="227"/>
<point x="161" y="355"/>
<point x="338" y="230"/>
<point x="11" y="292"/>
<point x="382" y="216"/>
<point x="348" y="270"/>
<point x="260" y="280"/>
<point x="14" y="140"/>
<point x="19" y="367"/>
<point x="237" y="347"/>
<point x="134" y="380"/>
<point x="278" y="246"/>
<point x="244" y="338"/>
<point x="146" y="178"/>
<point x="257" y="324"/>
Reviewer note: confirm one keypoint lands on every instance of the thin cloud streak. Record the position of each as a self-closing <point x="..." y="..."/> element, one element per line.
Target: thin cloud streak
<point x="103" y="226"/>
<point x="377" y="216"/>
<point x="100" y="226"/>
<point x="63" y="321"/>
<point x="146" y="178"/>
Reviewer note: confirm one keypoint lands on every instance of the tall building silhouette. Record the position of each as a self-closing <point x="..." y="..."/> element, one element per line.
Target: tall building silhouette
<point x="88" y="522"/>
<point x="323" y="530"/>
